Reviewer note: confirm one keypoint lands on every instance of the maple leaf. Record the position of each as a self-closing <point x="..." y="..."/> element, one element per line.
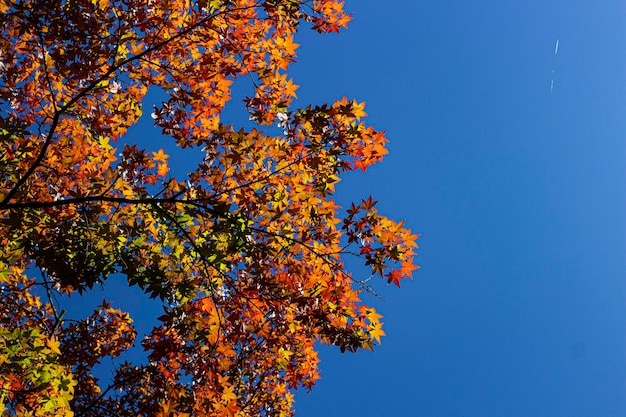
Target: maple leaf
<point x="408" y="267"/>
<point x="372" y="315"/>
<point x="376" y="332"/>
<point x="159" y="156"/>
<point x="290" y="89"/>
<point x="394" y="276"/>
<point x="53" y="344"/>
<point x="162" y="170"/>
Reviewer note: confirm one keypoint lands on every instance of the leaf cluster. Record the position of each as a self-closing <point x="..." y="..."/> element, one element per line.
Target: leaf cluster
<point x="247" y="252"/>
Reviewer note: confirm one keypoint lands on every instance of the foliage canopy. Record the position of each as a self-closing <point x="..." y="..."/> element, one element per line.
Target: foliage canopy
<point x="246" y="252"/>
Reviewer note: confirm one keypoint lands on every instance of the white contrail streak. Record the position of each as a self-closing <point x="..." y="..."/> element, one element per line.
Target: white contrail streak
<point x="556" y="47"/>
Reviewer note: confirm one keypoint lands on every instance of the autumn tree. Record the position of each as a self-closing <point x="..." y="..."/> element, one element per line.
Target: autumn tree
<point x="246" y="251"/>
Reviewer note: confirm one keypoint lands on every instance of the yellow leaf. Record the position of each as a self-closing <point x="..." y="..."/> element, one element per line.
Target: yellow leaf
<point x="54" y="345"/>
<point x="376" y="333"/>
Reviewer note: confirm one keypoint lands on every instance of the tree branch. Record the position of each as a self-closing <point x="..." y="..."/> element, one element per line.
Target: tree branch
<point x="92" y="86"/>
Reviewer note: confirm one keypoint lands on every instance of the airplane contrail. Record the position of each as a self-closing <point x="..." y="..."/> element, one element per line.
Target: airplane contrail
<point x="556" y="47"/>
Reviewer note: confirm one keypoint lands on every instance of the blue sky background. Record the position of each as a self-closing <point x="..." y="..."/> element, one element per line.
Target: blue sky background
<point x="519" y="193"/>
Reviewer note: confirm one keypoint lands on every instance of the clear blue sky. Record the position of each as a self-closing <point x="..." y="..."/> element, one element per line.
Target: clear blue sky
<point x="519" y="192"/>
